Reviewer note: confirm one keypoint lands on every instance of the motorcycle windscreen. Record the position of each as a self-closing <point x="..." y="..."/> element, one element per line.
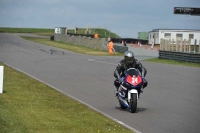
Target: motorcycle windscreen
<point x="132" y="72"/>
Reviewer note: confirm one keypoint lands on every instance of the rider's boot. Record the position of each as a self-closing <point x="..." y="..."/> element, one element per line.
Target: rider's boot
<point x="116" y="91"/>
<point x="144" y="85"/>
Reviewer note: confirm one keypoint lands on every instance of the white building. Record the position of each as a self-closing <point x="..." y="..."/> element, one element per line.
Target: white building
<point x="156" y="34"/>
<point x="60" y="30"/>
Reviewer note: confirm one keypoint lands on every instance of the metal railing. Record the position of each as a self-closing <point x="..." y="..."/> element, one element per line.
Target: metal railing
<point x="180" y="56"/>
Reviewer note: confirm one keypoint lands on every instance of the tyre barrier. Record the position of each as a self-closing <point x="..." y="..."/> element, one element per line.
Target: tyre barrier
<point x="120" y="49"/>
<point x="180" y="56"/>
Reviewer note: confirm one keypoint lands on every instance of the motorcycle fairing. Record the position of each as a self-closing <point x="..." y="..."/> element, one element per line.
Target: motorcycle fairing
<point x="134" y="80"/>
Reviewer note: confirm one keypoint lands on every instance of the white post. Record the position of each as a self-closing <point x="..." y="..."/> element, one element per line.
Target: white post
<point x="1" y="79"/>
<point x="165" y="45"/>
<point x="184" y="43"/>
<point x="169" y="46"/>
<point x="199" y="46"/>
<point x="189" y="46"/>
<point x="176" y="45"/>
<point x="161" y="44"/>
<point x="181" y="45"/>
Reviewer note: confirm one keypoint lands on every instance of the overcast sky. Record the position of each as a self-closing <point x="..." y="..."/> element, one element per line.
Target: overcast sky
<point x="124" y="17"/>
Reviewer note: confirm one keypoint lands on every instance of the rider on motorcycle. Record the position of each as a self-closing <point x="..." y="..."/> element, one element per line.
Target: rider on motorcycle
<point x="128" y="62"/>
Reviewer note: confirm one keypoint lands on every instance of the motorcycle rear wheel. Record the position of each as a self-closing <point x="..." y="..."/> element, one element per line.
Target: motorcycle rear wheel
<point x="133" y="103"/>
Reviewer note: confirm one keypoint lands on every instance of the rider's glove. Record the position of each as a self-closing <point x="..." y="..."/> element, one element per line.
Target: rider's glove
<point x="120" y="80"/>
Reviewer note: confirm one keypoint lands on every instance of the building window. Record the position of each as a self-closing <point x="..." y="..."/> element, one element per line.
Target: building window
<point x="150" y="36"/>
<point x="167" y="35"/>
<point x="157" y="35"/>
<point x="191" y="36"/>
<point x="179" y="36"/>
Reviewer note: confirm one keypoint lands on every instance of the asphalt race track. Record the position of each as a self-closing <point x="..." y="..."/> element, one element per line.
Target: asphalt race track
<point x="170" y="103"/>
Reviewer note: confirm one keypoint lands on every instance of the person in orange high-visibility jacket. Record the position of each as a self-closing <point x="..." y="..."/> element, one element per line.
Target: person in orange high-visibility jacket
<point x="110" y="46"/>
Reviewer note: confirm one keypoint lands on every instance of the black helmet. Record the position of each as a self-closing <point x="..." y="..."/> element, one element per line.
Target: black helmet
<point x="129" y="57"/>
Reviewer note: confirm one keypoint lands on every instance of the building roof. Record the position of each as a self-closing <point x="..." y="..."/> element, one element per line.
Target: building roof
<point x="60" y="27"/>
<point x="175" y="30"/>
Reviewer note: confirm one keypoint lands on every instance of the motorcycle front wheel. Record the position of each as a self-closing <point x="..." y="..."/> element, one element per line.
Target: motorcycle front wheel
<point x="133" y="103"/>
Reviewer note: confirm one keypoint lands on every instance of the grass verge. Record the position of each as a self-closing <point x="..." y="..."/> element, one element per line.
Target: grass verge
<point x="85" y="50"/>
<point x="28" y="106"/>
<point x="174" y="62"/>
<point x="71" y="47"/>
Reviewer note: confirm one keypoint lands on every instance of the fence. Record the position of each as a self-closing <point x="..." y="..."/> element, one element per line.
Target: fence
<point x="179" y="46"/>
<point x="180" y="50"/>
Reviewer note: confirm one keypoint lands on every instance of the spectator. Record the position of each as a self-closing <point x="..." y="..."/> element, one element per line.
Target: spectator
<point x="122" y="42"/>
<point x="110" y="46"/>
<point x="125" y="43"/>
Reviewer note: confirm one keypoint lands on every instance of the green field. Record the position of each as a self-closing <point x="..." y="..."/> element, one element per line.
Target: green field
<point x="25" y="30"/>
<point x="103" y="33"/>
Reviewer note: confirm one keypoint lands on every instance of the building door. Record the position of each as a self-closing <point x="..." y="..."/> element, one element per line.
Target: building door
<point x="154" y="35"/>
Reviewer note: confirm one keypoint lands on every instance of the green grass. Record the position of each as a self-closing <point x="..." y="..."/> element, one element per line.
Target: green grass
<point x="103" y="33"/>
<point x="28" y="106"/>
<point x="173" y="62"/>
<point x="71" y="47"/>
<point x="25" y="30"/>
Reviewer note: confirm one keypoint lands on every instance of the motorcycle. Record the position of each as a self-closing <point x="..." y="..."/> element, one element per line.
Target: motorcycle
<point x="129" y="90"/>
